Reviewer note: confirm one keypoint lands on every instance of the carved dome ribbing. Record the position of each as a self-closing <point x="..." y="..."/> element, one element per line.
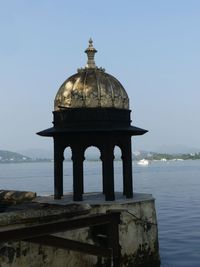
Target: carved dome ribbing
<point x="91" y="87"/>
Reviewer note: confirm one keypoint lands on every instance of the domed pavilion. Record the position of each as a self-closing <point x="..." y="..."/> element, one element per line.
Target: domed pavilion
<point x="91" y="108"/>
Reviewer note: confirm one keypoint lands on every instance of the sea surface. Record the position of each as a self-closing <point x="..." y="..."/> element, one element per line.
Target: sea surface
<point x="174" y="184"/>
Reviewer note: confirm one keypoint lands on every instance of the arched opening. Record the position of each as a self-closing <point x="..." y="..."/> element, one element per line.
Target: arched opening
<point x="67" y="171"/>
<point x="118" y="169"/>
<point x="92" y="170"/>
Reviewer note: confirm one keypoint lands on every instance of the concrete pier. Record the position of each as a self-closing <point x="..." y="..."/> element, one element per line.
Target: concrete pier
<point x="138" y="233"/>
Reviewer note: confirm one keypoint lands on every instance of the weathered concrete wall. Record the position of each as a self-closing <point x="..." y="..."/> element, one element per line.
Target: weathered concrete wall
<point x="138" y="230"/>
<point x="138" y="238"/>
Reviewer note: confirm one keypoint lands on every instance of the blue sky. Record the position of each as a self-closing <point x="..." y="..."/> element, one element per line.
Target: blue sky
<point x="152" y="47"/>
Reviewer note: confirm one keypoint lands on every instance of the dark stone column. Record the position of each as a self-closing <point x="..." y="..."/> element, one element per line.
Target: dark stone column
<point x="127" y="168"/>
<point x="58" y="169"/>
<point x="108" y="172"/>
<point x="78" y="158"/>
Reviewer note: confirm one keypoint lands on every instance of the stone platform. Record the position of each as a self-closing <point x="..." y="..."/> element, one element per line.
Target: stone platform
<point x="138" y="233"/>
<point x="94" y="198"/>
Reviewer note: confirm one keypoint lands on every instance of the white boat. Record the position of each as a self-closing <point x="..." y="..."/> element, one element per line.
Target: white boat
<point x="143" y="162"/>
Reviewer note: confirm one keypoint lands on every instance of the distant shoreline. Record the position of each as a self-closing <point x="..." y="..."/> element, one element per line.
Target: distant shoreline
<point x="90" y="160"/>
<point x="13" y="157"/>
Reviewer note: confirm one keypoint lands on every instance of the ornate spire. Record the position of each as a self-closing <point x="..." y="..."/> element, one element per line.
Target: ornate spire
<point x="90" y="51"/>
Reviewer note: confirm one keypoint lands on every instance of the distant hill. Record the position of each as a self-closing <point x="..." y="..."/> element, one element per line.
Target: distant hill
<point x="164" y="156"/>
<point x="8" y="156"/>
<point x="177" y="149"/>
<point x="36" y="153"/>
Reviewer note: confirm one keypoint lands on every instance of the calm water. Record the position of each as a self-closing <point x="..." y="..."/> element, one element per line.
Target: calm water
<point x="175" y="185"/>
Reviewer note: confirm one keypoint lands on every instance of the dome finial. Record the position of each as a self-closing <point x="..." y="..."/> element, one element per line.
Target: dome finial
<point x="90" y="51"/>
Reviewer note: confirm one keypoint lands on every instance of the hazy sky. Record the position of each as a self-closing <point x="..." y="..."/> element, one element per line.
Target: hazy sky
<point x="151" y="47"/>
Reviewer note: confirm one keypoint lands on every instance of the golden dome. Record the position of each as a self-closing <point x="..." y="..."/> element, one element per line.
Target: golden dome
<point x="91" y="87"/>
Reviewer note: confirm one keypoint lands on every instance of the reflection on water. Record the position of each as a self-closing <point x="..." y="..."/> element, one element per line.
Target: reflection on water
<point x="175" y="185"/>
